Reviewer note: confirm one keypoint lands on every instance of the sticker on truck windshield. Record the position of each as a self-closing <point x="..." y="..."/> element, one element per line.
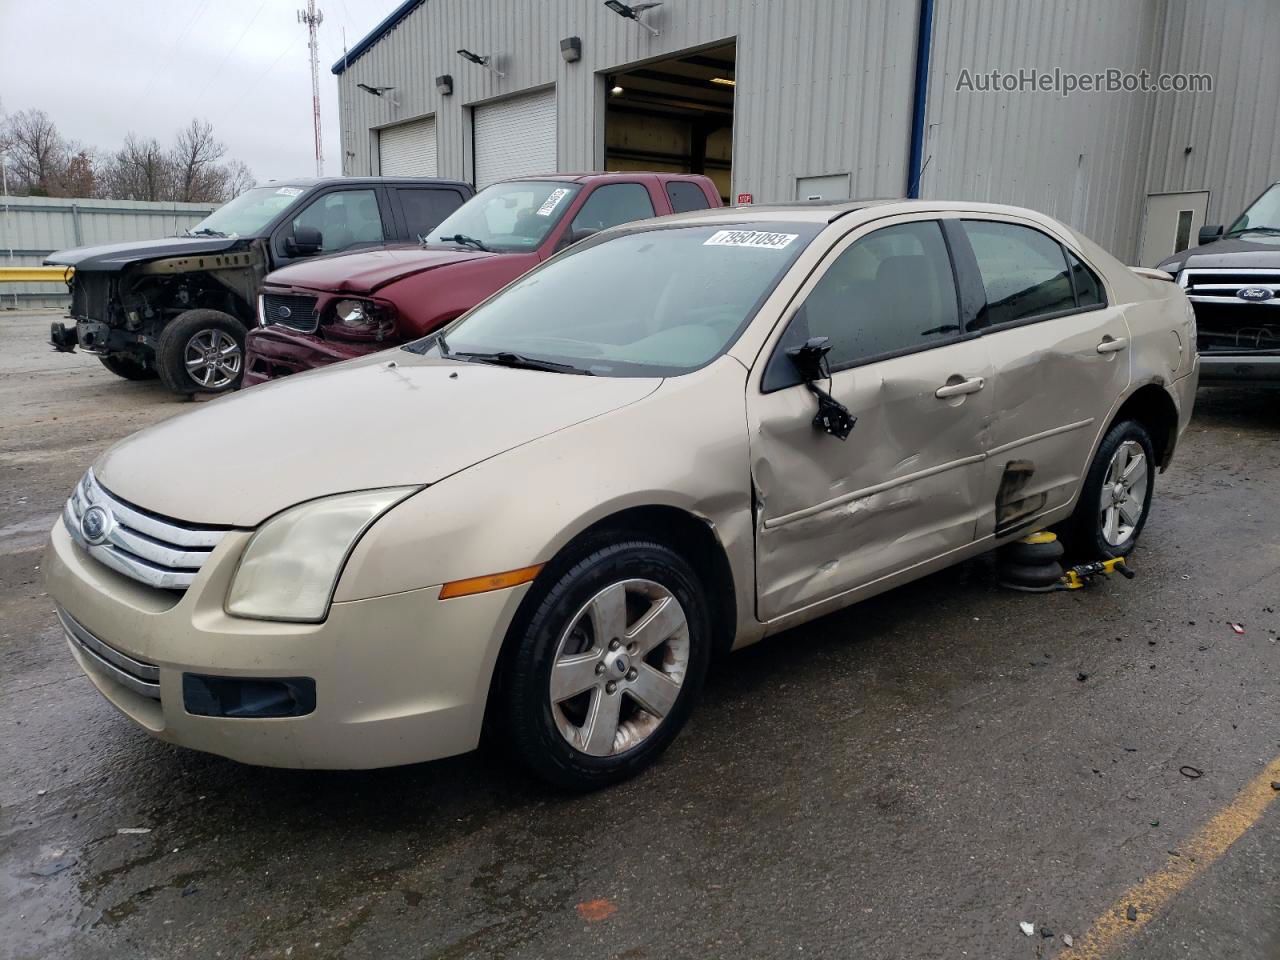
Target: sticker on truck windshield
<point x="552" y="201"/>
<point x="749" y="238"/>
<point x="289" y="191"/>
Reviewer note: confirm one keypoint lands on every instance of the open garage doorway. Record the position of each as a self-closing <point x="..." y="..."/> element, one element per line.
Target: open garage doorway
<point x="674" y="116"/>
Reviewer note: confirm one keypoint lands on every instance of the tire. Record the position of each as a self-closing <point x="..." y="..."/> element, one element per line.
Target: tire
<point x="129" y="365"/>
<point x="563" y="742"/>
<point x="1086" y="531"/>
<point x="211" y="335"/>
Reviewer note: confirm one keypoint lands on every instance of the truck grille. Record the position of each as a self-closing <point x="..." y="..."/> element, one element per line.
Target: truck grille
<point x="158" y="552"/>
<point x="1222" y="286"/>
<point x="137" y="675"/>
<point x="290" y="310"/>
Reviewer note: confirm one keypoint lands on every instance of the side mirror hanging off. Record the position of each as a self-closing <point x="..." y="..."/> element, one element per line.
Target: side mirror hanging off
<point x="810" y="360"/>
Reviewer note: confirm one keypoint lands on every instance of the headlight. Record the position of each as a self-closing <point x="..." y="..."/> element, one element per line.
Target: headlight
<point x="291" y="565"/>
<point x="353" y="313"/>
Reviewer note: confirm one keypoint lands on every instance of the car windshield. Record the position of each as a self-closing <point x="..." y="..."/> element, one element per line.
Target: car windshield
<point x="657" y="302"/>
<point x="511" y="216"/>
<point x="247" y="214"/>
<point x="1262" y="216"/>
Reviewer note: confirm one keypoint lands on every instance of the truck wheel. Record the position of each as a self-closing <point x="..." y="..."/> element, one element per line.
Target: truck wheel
<point x="128" y="365"/>
<point x="201" y="351"/>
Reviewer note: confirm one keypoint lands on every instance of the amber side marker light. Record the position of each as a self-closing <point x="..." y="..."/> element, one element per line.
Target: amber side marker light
<point x="493" y="581"/>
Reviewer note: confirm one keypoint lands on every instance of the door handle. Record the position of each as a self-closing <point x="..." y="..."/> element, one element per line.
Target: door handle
<point x="1113" y="344"/>
<point x="972" y="385"/>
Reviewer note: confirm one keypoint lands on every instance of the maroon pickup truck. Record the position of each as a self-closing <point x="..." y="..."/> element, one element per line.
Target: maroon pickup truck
<point x="322" y="311"/>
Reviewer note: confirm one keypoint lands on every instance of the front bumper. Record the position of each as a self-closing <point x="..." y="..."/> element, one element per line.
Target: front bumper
<point x="275" y="351"/>
<point x="397" y="679"/>
<point x="1239" y="369"/>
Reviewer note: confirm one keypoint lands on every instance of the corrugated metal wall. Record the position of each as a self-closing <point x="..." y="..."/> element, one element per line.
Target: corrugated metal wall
<point x="34" y="227"/>
<point x="824" y="86"/>
<point x="1082" y="158"/>
<point x="1234" y="135"/>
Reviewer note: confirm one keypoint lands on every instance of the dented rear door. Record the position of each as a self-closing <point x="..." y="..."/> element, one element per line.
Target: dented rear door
<point x="903" y="488"/>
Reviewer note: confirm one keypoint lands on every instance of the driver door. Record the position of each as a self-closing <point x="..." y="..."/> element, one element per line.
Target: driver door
<point x="905" y="487"/>
<point x="346" y="219"/>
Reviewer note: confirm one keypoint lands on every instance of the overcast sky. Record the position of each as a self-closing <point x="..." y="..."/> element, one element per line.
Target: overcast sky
<point x="101" y="68"/>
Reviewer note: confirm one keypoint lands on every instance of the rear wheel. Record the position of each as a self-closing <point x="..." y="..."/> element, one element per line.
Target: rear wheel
<point x="201" y="351"/>
<point x="128" y="365"/>
<point x="606" y="672"/>
<point x="1116" y="497"/>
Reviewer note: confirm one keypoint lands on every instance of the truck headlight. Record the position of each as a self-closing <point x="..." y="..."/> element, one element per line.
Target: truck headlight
<point x="362" y="320"/>
<point x="291" y="565"/>
<point x="353" y="313"/>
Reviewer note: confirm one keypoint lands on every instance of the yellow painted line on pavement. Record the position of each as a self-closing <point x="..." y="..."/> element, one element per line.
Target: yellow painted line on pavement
<point x="1198" y="853"/>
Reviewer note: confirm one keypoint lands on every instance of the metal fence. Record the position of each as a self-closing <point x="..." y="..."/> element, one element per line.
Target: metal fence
<point x="31" y="228"/>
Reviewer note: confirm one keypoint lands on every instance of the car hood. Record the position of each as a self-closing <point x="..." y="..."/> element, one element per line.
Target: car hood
<point x="391" y="419"/>
<point x="1226" y="255"/>
<point x="114" y="257"/>
<point x="369" y="270"/>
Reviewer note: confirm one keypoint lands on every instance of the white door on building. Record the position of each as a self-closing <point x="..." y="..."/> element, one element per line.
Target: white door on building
<point x="408" y="149"/>
<point x="515" y="137"/>
<point x="1172" y="224"/>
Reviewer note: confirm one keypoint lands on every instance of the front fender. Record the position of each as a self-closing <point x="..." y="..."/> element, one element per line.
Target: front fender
<point x="683" y="446"/>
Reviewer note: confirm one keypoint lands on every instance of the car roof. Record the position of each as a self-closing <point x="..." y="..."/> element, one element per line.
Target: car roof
<point x="822" y="211"/>
<point x="631" y="175"/>
<point x="308" y="182"/>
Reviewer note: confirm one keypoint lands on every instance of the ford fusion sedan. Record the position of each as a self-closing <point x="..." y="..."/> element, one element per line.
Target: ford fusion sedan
<point x="680" y="437"/>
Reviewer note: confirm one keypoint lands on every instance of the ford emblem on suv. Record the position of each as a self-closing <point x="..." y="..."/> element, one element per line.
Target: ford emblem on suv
<point x="1255" y="294"/>
<point x="284" y="313"/>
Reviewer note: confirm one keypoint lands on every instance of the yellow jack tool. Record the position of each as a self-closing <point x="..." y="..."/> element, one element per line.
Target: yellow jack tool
<point x="1081" y="575"/>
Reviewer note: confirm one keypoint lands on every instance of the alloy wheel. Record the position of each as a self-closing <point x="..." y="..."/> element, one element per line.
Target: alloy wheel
<point x="619" y="667"/>
<point x="1124" y="493"/>
<point x="213" y="359"/>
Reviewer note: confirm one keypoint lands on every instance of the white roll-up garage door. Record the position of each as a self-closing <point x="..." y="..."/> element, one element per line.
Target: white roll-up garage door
<point x="515" y="137"/>
<point x="408" y="149"/>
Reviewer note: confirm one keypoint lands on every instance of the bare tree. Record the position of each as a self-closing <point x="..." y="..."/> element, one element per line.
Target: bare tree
<point x="195" y="158"/>
<point x="139" y="170"/>
<point x="37" y="153"/>
<point x="239" y="178"/>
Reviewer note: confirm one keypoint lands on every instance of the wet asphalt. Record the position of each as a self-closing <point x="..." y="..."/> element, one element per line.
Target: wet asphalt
<point x="909" y="778"/>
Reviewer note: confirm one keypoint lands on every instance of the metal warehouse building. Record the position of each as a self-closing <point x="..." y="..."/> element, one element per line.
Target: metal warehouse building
<point x="793" y="99"/>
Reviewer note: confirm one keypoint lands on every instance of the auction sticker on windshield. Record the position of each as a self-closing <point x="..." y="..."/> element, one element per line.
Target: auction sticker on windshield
<point x="749" y="238"/>
<point x="289" y="191"/>
<point x="552" y="201"/>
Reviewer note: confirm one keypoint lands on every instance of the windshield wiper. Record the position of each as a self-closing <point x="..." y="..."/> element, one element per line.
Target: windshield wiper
<point x="462" y="240"/>
<point x="505" y="358"/>
<point x="1270" y="230"/>
<point x="205" y="232"/>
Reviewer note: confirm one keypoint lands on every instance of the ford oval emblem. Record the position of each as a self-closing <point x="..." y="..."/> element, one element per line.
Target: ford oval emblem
<point x="1255" y="294"/>
<point x="284" y="313"/>
<point x="96" y="525"/>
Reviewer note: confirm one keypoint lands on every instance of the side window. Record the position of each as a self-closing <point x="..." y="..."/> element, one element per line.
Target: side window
<point x="686" y="196"/>
<point x="1023" y="270"/>
<point x="891" y="291"/>
<point x="344" y="218"/>
<point x="1089" y="291"/>
<point x="425" y="207"/>
<point x="612" y="204"/>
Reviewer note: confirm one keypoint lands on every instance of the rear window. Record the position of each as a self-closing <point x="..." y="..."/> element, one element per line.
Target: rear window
<point x="685" y="196"/>
<point x="1023" y="271"/>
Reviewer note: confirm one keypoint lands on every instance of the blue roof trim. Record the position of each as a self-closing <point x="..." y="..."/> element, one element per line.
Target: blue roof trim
<point x="377" y="33"/>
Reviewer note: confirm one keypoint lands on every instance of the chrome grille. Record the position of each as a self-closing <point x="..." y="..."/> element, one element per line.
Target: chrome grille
<point x="158" y="552"/>
<point x="1222" y="285"/>
<point x="290" y="310"/>
<point x="139" y="676"/>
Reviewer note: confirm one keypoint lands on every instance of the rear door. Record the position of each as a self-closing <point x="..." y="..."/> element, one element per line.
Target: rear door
<point x="1060" y="353"/>
<point x="904" y="488"/>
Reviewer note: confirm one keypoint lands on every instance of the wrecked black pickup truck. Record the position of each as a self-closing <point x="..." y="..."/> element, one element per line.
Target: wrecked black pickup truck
<point x="179" y="308"/>
<point x="1233" y="283"/>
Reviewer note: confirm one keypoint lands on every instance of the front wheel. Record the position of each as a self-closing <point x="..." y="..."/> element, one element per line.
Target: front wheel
<point x="201" y="351"/>
<point x="1116" y="497"/>
<point x="606" y="671"/>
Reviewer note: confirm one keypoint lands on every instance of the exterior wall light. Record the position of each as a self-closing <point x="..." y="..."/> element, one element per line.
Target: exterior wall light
<point x="571" y="49"/>
<point x="444" y="85"/>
